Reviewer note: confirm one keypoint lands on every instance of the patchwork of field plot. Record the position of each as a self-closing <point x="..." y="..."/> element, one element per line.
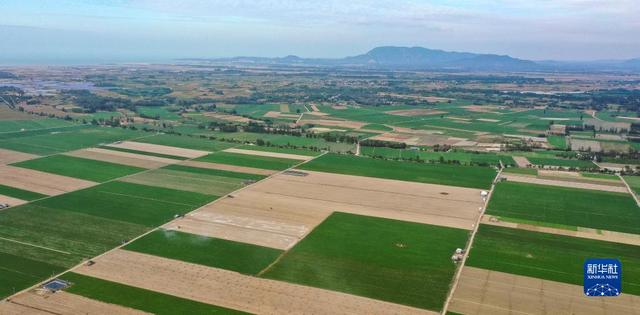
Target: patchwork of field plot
<point x="574" y="182"/>
<point x="87" y="169"/>
<point x="160" y="149"/>
<point x="186" y="142"/>
<point x="563" y="206"/>
<point x="566" y="163"/>
<point x="463" y="176"/>
<point x="9" y="156"/>
<point x="281" y="210"/>
<point x="124" y="158"/>
<point x="549" y="256"/>
<point x="246" y="160"/>
<point x="40" y="182"/>
<point x="61" y="303"/>
<point x="444" y="157"/>
<point x="10" y="125"/>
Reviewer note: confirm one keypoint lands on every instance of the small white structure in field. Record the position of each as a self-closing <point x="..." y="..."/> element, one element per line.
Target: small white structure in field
<point x="484" y="194"/>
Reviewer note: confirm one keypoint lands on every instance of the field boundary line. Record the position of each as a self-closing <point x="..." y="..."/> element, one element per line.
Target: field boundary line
<point x="120" y="247"/>
<point x="34" y="245"/>
<point x="633" y="193"/>
<point x="458" y="274"/>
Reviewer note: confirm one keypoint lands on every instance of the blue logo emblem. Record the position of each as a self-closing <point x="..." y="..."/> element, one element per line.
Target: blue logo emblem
<point x="602" y="277"/>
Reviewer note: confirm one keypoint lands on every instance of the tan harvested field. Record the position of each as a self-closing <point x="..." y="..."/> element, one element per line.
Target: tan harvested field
<point x="231" y="289"/>
<point x="186" y="181"/>
<point x="10" y="114"/>
<point x="415" y="112"/>
<point x="490" y="292"/>
<point x="521" y="161"/>
<point x="40" y="182"/>
<point x="314" y="108"/>
<point x="334" y="123"/>
<point x="12" y="202"/>
<point x="274" y="114"/>
<point x="162" y="149"/>
<point x="227" y="117"/>
<point x="126" y="158"/>
<point x="284" y="108"/>
<point x="281" y="210"/>
<point x="585" y="145"/>
<point x="61" y="303"/>
<point x="582" y="232"/>
<point x="270" y="154"/>
<point x="10" y="156"/>
<point x="226" y="167"/>
<point x="488" y="120"/>
<point x="578" y="183"/>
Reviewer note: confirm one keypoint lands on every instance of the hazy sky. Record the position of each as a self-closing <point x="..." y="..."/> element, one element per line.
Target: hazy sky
<point x="145" y="30"/>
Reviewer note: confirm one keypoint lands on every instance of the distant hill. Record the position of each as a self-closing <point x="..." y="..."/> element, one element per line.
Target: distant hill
<point x="420" y="58"/>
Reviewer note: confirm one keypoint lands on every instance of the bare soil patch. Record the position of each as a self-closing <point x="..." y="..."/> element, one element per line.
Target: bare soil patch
<point x="126" y="158"/>
<point x="270" y="154"/>
<point x="227" y="117"/>
<point x="273" y="114"/>
<point x="226" y="167"/>
<point x="580" y="183"/>
<point x="333" y="123"/>
<point x="521" y="161"/>
<point x="12" y="202"/>
<point x="482" y="291"/>
<point x="230" y="289"/>
<point x="40" y="182"/>
<point x="284" y="108"/>
<point x="314" y="108"/>
<point x="281" y="210"/>
<point x="60" y="303"/>
<point x="415" y="112"/>
<point x="585" y="145"/>
<point x="9" y="156"/>
<point x="162" y="149"/>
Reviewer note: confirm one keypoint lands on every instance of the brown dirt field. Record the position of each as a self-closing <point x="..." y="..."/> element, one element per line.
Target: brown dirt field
<point x="40" y="182"/>
<point x="231" y="289"/>
<point x="281" y="210"/>
<point x="611" y="236"/>
<point x="333" y="123"/>
<point x="315" y="108"/>
<point x="565" y="183"/>
<point x="317" y="114"/>
<point x="584" y="145"/>
<point x="521" y="161"/>
<point x="226" y="167"/>
<point x="271" y="154"/>
<point x="11" y="201"/>
<point x="162" y="149"/>
<point x="9" y="156"/>
<point x="61" y="303"/>
<point x="126" y="158"/>
<point x="284" y="108"/>
<point x="9" y="114"/>
<point x="415" y="112"/>
<point x="227" y="117"/>
<point x="490" y="292"/>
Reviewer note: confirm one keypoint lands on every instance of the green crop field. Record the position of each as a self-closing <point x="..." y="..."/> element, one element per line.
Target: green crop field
<point x="379" y="127"/>
<point x="68" y="140"/>
<point x="601" y="176"/>
<point x="188" y="181"/>
<point x="213" y="252"/>
<point x="157" y="112"/>
<point x="93" y="170"/>
<point x="567" y="206"/>
<point x="521" y="170"/>
<point x="187" y="142"/>
<point x="549" y="256"/>
<point x="444" y="157"/>
<point x="453" y="175"/>
<point x="264" y="162"/>
<point x="167" y="156"/>
<point x="137" y="298"/>
<point x="128" y="202"/>
<point x="31" y="124"/>
<point x="634" y="183"/>
<point x="558" y="142"/>
<point x="213" y="172"/>
<point x="396" y="261"/>
<point x="561" y="162"/>
<point x="20" y="193"/>
<point x="279" y="150"/>
<point x="17" y="273"/>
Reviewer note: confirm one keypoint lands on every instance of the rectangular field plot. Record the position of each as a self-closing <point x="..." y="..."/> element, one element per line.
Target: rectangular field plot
<point x="482" y="291"/>
<point x="281" y="210"/>
<point x="133" y="203"/>
<point x="491" y="159"/>
<point x="566" y="206"/>
<point x="395" y="261"/>
<point x="208" y="251"/>
<point x="137" y="298"/>
<point x="199" y="180"/>
<point x="93" y="170"/>
<point x="40" y="182"/>
<point x="9" y="156"/>
<point x="227" y="167"/>
<point x="144" y="153"/>
<point x="31" y="124"/>
<point x="69" y="139"/>
<point x="464" y="176"/>
<point x="124" y="158"/>
<point x="280" y="150"/>
<point x="187" y="142"/>
<point x="561" y="162"/>
<point x="158" y="149"/>
<point x="225" y="288"/>
<point x="61" y="302"/>
<point x="19" y="193"/>
<point x="291" y="156"/>
<point x="549" y="256"/>
<point x="263" y="162"/>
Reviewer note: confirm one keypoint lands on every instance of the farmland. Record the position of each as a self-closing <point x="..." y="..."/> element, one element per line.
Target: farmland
<point x="464" y="176"/>
<point x="269" y="163"/>
<point x="92" y="170"/>
<point x="394" y="269"/>
<point x="568" y="206"/>
<point x="549" y="256"/>
<point x="19" y="193"/>
<point x="467" y="158"/>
